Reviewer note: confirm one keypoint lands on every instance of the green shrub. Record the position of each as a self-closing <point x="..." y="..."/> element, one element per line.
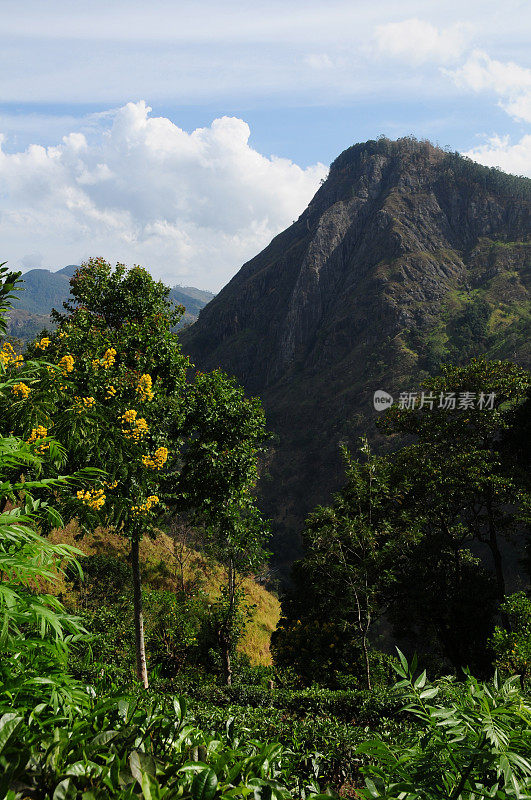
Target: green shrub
<point x="360" y="706"/>
<point x="512" y="648"/>
<point x="127" y="748"/>
<point x="476" y="744"/>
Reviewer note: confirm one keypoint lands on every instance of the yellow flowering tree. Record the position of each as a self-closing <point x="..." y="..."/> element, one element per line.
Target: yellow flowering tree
<point x="123" y="400"/>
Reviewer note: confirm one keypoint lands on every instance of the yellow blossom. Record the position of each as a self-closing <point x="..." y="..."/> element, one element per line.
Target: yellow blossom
<point x="62" y="335"/>
<point x="141" y="428"/>
<point x="83" y="403"/>
<point x="43" y="344"/>
<point x="157" y="460"/>
<point x="151" y="501"/>
<point x="8" y="356"/>
<point x="93" y="498"/>
<point x="38" y="433"/>
<point x="144" y="388"/>
<point x="95" y="363"/>
<point x="138" y="426"/>
<point x="21" y="390"/>
<point x="66" y="364"/>
<point x="109" y="358"/>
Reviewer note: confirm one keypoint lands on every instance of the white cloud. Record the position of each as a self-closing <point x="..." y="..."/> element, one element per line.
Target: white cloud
<point x="319" y="61"/>
<point x="418" y="41"/>
<point x="190" y="206"/>
<point x="480" y="72"/>
<point x="511" y="82"/>
<point x="498" y="151"/>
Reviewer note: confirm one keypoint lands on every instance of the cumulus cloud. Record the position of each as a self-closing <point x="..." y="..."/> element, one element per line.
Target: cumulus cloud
<point x="498" y="151"/>
<point x="511" y="82"/>
<point x="418" y="41"/>
<point x="190" y="206"/>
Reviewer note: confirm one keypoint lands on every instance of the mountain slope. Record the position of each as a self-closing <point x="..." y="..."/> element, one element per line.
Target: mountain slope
<point x="44" y="290"/>
<point x="406" y="257"/>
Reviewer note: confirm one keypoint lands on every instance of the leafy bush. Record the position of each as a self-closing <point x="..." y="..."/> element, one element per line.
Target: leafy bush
<point x="475" y="746"/>
<point x="322" y="749"/>
<point x="360" y="706"/>
<point x="512" y="647"/>
<point x="126" y="748"/>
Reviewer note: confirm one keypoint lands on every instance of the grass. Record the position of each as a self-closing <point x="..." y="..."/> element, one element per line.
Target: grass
<point x="159" y="570"/>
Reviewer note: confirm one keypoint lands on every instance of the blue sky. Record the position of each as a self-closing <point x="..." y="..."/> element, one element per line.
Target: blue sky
<point x="110" y="144"/>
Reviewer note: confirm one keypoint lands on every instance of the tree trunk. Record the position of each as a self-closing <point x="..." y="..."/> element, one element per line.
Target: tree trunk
<point x="227" y="665"/>
<point x="141" y="667"/>
<point x="367" y="664"/>
<point x="363" y="628"/>
<point x="227" y="638"/>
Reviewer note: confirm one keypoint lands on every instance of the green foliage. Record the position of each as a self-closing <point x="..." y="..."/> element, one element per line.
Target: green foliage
<point x="118" y="295"/>
<point x="236" y="541"/>
<point x="339" y="587"/>
<point x="8" y="285"/>
<point x="477" y="745"/>
<point x="35" y="629"/>
<point x="465" y="335"/>
<point x="466" y="482"/>
<point x="128" y="748"/>
<point x="512" y="648"/>
<point x="359" y="705"/>
<point x="173" y="627"/>
<point x="56" y="739"/>
<point x="322" y="750"/>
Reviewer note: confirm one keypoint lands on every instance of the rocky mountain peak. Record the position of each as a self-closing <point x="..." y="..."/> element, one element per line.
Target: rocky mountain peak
<point x="368" y="287"/>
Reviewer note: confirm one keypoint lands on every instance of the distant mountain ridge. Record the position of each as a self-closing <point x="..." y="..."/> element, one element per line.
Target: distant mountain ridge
<point x="407" y="257"/>
<point x="44" y="290"/>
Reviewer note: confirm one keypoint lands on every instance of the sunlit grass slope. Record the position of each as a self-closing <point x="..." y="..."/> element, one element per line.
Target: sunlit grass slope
<point x="160" y="571"/>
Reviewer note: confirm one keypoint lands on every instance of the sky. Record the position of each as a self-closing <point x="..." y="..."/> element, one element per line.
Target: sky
<point x="183" y="136"/>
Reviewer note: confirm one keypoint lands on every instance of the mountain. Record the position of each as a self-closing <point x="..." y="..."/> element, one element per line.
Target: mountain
<point x="408" y="256"/>
<point x="44" y="290"/>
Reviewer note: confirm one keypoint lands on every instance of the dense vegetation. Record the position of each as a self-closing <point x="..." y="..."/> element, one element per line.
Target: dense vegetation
<point x="104" y="423"/>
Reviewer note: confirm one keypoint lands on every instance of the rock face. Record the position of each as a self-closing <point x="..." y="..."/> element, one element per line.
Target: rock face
<point x="407" y="256"/>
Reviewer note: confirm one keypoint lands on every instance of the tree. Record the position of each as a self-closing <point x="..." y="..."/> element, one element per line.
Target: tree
<point x="237" y="542"/>
<point x="466" y="481"/>
<point x="35" y="628"/>
<point x="120" y="397"/>
<point x="349" y="547"/>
